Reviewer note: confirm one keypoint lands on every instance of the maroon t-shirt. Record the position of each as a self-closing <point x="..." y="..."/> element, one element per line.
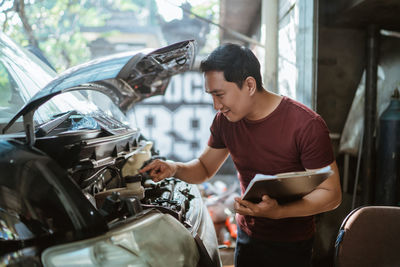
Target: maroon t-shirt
<point x="291" y="138"/>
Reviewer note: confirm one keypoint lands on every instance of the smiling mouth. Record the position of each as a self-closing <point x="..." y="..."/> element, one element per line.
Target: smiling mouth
<point x="225" y="111"/>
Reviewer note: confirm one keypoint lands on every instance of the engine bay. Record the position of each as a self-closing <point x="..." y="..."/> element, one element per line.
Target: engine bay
<point x="103" y="157"/>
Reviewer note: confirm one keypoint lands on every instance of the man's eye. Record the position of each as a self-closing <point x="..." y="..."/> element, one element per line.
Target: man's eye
<point x="218" y="95"/>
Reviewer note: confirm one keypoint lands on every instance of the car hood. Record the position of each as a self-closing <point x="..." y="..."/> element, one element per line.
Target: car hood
<point x="126" y="77"/>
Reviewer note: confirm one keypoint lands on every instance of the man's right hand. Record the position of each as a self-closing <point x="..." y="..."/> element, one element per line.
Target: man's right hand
<point x="160" y="169"/>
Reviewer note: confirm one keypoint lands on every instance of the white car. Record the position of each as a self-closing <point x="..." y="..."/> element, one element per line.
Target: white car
<point x="70" y="190"/>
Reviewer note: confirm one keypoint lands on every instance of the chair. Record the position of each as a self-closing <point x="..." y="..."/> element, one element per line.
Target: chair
<point x="369" y="236"/>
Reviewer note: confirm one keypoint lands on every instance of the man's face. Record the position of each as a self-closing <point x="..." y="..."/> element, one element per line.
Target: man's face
<point x="234" y="103"/>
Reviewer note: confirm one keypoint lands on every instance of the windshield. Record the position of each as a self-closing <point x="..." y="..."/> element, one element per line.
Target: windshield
<point x="22" y="75"/>
<point x="86" y="102"/>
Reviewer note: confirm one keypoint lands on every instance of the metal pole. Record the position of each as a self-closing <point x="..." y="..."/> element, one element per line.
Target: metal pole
<point x="370" y="113"/>
<point x="269" y="28"/>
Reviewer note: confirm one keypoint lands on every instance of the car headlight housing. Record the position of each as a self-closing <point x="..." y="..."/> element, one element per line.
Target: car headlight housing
<point x="156" y="239"/>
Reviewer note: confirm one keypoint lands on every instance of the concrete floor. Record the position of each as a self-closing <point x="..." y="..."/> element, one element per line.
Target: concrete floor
<point x="227" y="256"/>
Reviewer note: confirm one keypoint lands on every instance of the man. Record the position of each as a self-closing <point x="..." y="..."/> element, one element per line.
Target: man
<point x="264" y="133"/>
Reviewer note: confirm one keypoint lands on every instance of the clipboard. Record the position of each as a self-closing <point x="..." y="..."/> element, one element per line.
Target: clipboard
<point x="285" y="187"/>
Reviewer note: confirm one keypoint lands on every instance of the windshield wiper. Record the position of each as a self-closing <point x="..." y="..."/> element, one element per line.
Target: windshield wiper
<point x="49" y="126"/>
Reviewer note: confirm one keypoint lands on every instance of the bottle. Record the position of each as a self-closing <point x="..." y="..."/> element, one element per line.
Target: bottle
<point x="388" y="152"/>
<point x="134" y="163"/>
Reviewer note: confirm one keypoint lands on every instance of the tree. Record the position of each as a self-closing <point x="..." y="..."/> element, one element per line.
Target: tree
<point x="55" y="26"/>
<point x="52" y="26"/>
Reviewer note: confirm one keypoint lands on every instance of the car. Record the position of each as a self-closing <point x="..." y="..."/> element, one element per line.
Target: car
<point x="70" y="188"/>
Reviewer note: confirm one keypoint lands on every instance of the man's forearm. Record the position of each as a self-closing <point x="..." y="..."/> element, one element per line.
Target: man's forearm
<point x="318" y="201"/>
<point x="192" y="172"/>
<point x="195" y="171"/>
<point x="326" y="197"/>
<point x="199" y="170"/>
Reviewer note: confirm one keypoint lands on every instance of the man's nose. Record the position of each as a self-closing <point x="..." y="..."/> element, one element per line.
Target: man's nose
<point x="217" y="104"/>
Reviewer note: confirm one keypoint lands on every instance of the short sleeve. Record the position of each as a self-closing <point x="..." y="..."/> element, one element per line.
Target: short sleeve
<point x="315" y="144"/>
<point x="216" y="139"/>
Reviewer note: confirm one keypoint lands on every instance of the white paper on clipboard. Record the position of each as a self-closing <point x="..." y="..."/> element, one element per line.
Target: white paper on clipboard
<point x="285" y="186"/>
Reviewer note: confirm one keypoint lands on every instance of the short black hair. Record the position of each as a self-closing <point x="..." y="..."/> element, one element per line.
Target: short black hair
<point x="237" y="63"/>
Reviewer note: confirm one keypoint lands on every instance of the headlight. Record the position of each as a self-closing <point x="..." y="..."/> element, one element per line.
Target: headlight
<point x="154" y="240"/>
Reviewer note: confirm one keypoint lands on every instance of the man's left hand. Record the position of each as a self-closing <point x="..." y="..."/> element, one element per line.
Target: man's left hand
<point x="268" y="207"/>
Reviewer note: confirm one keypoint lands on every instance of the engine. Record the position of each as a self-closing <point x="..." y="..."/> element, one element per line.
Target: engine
<point x="104" y="162"/>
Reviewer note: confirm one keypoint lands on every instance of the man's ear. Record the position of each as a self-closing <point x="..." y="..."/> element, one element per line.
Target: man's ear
<point x="251" y="85"/>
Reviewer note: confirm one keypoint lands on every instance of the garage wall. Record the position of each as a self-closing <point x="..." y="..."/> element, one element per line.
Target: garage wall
<point x="179" y="121"/>
<point x="341" y="61"/>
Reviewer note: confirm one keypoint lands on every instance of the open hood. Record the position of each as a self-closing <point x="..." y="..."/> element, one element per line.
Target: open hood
<point x="126" y="78"/>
